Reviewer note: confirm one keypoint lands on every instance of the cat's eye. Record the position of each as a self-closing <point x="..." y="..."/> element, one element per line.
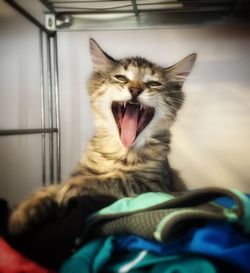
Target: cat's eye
<point x="154" y="84"/>
<point x="121" y="78"/>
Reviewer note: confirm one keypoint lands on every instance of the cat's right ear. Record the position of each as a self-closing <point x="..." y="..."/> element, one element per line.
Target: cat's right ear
<point x="101" y="60"/>
<point x="180" y="71"/>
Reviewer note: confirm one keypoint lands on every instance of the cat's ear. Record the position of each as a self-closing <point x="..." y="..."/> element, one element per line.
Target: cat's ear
<point x="101" y="60"/>
<point x="180" y="71"/>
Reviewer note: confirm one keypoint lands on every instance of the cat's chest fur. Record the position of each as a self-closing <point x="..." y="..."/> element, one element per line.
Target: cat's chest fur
<point x="129" y="172"/>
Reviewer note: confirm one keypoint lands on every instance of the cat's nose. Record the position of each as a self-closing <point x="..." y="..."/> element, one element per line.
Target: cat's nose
<point x="135" y="91"/>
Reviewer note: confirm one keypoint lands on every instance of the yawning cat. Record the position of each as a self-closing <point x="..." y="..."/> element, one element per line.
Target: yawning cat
<point x="135" y="103"/>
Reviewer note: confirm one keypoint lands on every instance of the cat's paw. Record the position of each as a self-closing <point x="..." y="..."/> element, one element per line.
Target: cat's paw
<point x="33" y="212"/>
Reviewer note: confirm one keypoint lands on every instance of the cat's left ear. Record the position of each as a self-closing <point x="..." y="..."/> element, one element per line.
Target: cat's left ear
<point x="101" y="60"/>
<point x="180" y="71"/>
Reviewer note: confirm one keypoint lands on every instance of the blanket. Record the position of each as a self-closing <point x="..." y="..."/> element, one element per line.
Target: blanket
<point x="156" y="217"/>
<point x="206" y="230"/>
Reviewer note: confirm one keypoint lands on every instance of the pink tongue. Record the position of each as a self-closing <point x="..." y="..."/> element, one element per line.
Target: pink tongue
<point x="129" y="125"/>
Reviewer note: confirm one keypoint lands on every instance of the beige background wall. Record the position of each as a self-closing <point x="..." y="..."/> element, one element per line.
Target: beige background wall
<point x="210" y="138"/>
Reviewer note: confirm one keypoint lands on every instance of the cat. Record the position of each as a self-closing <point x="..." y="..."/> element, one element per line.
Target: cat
<point x="134" y="102"/>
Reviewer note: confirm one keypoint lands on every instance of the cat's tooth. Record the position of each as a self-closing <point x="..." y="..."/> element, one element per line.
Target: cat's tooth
<point x="141" y="107"/>
<point x="124" y="104"/>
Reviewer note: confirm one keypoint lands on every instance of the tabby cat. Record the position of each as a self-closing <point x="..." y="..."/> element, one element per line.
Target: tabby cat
<point x="134" y="102"/>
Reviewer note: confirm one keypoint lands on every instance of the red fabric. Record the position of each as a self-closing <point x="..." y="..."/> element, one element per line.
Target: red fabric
<point x="13" y="262"/>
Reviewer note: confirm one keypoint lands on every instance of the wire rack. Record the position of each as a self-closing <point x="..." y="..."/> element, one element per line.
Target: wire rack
<point x="132" y="14"/>
<point x="51" y="16"/>
<point x="120" y="14"/>
<point x="137" y="6"/>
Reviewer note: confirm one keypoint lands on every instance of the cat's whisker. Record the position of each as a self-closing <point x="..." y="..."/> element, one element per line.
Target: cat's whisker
<point x="172" y="110"/>
<point x="181" y="77"/>
<point x="172" y="92"/>
<point x="180" y="99"/>
<point x="169" y="104"/>
<point x="177" y="101"/>
<point x="161" y="108"/>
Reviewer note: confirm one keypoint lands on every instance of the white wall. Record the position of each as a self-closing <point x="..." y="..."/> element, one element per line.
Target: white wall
<point x="210" y="138"/>
<point x="20" y="156"/>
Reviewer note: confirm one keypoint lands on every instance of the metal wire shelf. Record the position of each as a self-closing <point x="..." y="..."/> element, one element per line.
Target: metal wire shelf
<point x="133" y="14"/>
<point x="125" y="14"/>
<point x="51" y="16"/>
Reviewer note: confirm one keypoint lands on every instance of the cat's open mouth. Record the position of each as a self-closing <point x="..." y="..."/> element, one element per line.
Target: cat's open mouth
<point x="131" y="118"/>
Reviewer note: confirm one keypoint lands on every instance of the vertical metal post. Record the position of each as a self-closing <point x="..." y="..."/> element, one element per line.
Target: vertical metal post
<point x="42" y="107"/>
<point x="51" y="112"/>
<point x="135" y="8"/>
<point x="57" y="105"/>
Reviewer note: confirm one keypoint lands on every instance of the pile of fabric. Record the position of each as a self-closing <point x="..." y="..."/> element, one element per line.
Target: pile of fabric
<point x="204" y="231"/>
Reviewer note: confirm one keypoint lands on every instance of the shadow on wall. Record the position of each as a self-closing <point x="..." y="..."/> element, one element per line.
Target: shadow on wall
<point x="211" y="138"/>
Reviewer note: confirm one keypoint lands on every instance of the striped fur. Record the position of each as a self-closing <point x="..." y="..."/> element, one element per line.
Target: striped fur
<point x="108" y="167"/>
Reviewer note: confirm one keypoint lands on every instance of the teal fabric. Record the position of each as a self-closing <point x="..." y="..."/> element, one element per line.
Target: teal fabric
<point x="152" y="263"/>
<point x="90" y="258"/>
<point x="98" y="257"/>
<point x="245" y="221"/>
<point x="145" y="202"/>
<point x="130" y="204"/>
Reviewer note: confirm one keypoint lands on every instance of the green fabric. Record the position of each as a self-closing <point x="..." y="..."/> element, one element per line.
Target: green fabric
<point x="164" y="217"/>
<point x="132" y="204"/>
<point x="245" y="220"/>
<point x="95" y="257"/>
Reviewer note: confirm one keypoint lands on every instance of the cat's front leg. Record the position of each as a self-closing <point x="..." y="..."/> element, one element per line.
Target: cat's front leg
<point x="74" y="187"/>
<point x="87" y="186"/>
<point x="50" y="203"/>
<point x="44" y="205"/>
<point x="37" y="209"/>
